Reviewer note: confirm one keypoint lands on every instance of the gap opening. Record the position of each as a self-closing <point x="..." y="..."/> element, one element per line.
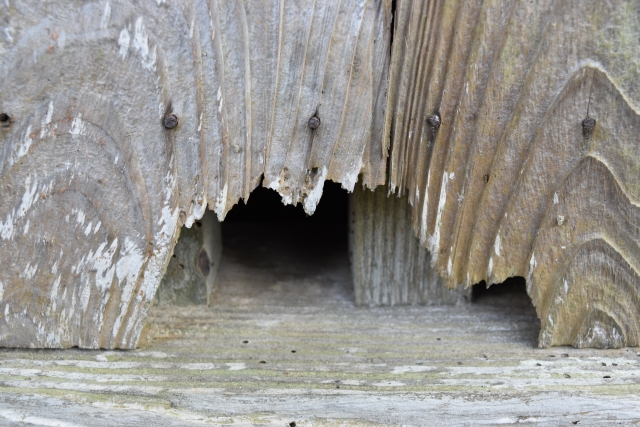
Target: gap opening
<point x="279" y="251"/>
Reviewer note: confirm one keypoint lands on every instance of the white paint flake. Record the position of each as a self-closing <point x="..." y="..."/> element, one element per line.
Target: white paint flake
<point x="555" y="198"/>
<point x="236" y="366"/>
<point x="313" y="198"/>
<point x="496" y="245"/>
<point x="141" y="45"/>
<point x="434" y="240"/>
<point x="29" y="271"/>
<point x="55" y="287"/>
<point x="1" y="290"/>
<point x="77" y="127"/>
<point x="411" y="368"/>
<point x="106" y="16"/>
<point x="123" y="41"/>
<point x="46" y="120"/>
<point x="221" y="203"/>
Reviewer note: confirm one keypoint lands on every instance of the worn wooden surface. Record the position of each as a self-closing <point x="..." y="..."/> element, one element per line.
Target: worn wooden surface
<point x="466" y="365"/>
<point x="511" y="183"/>
<point x="93" y="187"/>
<point x="191" y="273"/>
<point x="388" y="264"/>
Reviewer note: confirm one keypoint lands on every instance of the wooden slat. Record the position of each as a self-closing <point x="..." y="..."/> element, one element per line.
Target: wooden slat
<point x="93" y="188"/>
<point x="511" y="183"/>
<point x="388" y="265"/>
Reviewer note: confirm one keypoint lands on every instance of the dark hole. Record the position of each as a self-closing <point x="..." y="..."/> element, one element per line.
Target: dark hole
<point x="174" y="255"/>
<point x="198" y="224"/>
<point x="293" y="256"/>
<point x="4" y="118"/>
<point x="245" y="342"/>
<point x="292" y="424"/>
<point x="262" y="361"/>
<point x="510" y="297"/>
<point x="293" y="351"/>
<point x="607" y="376"/>
<point x="181" y="266"/>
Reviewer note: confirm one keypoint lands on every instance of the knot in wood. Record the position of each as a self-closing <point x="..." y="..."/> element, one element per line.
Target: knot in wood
<point x="434" y="120"/>
<point x="170" y="121"/>
<point x="588" y="124"/>
<point x="314" y="122"/>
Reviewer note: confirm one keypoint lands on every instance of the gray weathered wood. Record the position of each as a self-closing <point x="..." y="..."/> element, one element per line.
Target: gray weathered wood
<point x="511" y="183"/>
<point x="191" y="272"/>
<point x="465" y="365"/>
<point x="93" y="187"/>
<point x="388" y="264"/>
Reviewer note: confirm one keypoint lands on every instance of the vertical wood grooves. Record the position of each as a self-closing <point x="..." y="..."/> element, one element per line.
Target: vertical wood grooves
<point x="504" y="166"/>
<point x="243" y="89"/>
<point x="388" y="265"/>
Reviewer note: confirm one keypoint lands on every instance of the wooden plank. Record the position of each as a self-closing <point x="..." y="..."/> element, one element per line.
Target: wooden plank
<point x="93" y="187"/>
<point x="388" y="264"/>
<point x="513" y="181"/>
<point x="471" y="364"/>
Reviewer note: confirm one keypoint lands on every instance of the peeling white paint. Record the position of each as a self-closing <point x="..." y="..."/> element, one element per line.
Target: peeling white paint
<point x="200" y="123"/>
<point x="313" y="198"/>
<point x="555" y="198"/>
<point x="221" y="203"/>
<point x="1" y="290"/>
<point x="236" y="366"/>
<point x="46" y="120"/>
<point x="54" y="288"/>
<point x="77" y="127"/>
<point x="434" y="240"/>
<point x="425" y="210"/>
<point x="141" y="45"/>
<point x="29" y="271"/>
<point x="411" y="369"/>
<point x="123" y="41"/>
<point x="496" y="245"/>
<point x="106" y="16"/>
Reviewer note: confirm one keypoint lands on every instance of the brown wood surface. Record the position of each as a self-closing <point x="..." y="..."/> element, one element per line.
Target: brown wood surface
<point x="388" y="264"/>
<point x="93" y="187"/>
<point x="511" y="183"/>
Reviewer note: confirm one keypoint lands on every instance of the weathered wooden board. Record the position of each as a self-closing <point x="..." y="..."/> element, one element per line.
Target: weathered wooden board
<point x="465" y="365"/>
<point x="93" y="187"/>
<point x="191" y="272"/>
<point x="512" y="182"/>
<point x="388" y="264"/>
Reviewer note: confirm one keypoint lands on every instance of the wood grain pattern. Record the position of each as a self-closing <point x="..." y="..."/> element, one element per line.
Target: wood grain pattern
<point x="388" y="264"/>
<point x="510" y="184"/>
<point x="93" y="188"/>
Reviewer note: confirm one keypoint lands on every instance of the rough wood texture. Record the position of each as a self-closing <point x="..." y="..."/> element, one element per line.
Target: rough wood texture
<point x="192" y="269"/>
<point x="93" y="187"/>
<point x="388" y="264"/>
<point x="511" y="183"/>
<point x="465" y="365"/>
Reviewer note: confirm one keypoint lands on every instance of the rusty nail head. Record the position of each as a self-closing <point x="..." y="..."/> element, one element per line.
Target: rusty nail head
<point x="588" y="124"/>
<point x="170" y="121"/>
<point x="434" y="120"/>
<point x="314" y="122"/>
